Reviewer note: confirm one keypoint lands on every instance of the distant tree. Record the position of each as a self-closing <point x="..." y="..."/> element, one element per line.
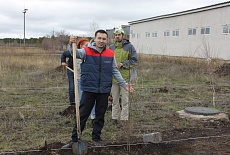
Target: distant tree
<point x="55" y="41"/>
<point x="40" y="40"/>
<point x="94" y="26"/>
<point x="46" y="43"/>
<point x="61" y="39"/>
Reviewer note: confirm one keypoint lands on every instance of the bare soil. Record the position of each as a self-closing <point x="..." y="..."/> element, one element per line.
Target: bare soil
<point x="212" y="138"/>
<point x="208" y="138"/>
<point x="153" y="109"/>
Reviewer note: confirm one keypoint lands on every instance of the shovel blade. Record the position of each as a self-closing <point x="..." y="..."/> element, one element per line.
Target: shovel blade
<point x="80" y="148"/>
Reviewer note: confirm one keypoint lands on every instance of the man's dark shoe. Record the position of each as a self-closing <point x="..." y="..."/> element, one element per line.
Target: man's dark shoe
<point x="67" y="146"/>
<point x="97" y="143"/>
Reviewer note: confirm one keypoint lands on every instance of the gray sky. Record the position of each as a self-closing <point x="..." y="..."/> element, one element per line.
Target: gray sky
<point x="75" y="16"/>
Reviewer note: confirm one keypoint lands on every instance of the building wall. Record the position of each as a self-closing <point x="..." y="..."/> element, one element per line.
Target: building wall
<point x="213" y="45"/>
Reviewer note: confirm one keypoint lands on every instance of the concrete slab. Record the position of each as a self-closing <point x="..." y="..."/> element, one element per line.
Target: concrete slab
<point x="219" y="116"/>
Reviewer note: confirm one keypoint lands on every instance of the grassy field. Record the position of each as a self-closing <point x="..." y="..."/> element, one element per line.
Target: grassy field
<point x="34" y="90"/>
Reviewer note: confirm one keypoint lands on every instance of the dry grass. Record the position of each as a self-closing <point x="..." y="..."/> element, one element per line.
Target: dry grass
<point x="34" y="91"/>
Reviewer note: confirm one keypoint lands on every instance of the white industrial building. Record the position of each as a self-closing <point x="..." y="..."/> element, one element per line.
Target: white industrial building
<point x="203" y="32"/>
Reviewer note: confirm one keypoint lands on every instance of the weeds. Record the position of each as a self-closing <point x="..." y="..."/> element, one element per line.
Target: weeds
<point x="34" y="90"/>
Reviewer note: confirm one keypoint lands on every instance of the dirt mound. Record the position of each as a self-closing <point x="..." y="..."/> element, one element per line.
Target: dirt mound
<point x="68" y="112"/>
<point x="55" y="145"/>
<point x="223" y="70"/>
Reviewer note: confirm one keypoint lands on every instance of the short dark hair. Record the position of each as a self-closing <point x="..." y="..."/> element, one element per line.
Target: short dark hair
<point x="101" y="31"/>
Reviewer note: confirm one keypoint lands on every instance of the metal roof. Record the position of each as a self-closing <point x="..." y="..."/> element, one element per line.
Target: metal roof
<point x="206" y="8"/>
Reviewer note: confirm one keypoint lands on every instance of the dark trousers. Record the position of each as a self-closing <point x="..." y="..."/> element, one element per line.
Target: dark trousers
<point x="71" y="87"/>
<point x="86" y="105"/>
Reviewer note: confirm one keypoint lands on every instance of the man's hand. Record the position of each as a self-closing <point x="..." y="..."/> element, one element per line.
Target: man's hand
<point x="119" y="65"/>
<point x="129" y="88"/>
<point x="64" y="64"/>
<point x="73" y="39"/>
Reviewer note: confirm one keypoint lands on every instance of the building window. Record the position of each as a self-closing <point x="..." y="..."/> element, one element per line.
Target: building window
<point x="226" y="29"/>
<point x="205" y="30"/>
<point x="154" y="34"/>
<point x="138" y="35"/>
<point x="191" y="31"/>
<point x="175" y="33"/>
<point x="147" y="34"/>
<point x="133" y="35"/>
<point x="166" y="33"/>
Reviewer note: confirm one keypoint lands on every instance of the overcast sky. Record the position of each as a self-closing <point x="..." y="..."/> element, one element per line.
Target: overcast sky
<point x="75" y="16"/>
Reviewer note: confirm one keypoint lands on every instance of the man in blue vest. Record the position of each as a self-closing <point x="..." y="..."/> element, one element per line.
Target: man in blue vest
<point x="97" y="69"/>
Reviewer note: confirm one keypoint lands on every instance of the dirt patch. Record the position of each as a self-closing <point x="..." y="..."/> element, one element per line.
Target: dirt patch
<point x="223" y="70"/>
<point x="31" y="119"/>
<point x="213" y="138"/>
<point x="68" y="112"/>
<point x="199" y="146"/>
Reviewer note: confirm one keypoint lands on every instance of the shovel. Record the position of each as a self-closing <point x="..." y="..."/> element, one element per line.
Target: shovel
<point x="79" y="147"/>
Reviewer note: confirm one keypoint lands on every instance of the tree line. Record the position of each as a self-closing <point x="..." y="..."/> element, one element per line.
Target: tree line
<point x="57" y="41"/>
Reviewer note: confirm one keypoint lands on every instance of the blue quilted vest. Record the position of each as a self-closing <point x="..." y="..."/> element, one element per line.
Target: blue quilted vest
<point x="96" y="71"/>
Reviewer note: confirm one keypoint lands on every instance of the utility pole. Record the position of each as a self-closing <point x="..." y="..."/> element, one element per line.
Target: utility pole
<point x="24" y="11"/>
<point x="20" y="41"/>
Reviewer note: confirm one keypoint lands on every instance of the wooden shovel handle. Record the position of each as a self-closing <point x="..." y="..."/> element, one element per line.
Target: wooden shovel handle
<point x="74" y="47"/>
<point x="69" y="68"/>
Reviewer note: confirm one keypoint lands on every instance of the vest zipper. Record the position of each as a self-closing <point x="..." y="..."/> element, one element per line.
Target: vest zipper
<point x="99" y="81"/>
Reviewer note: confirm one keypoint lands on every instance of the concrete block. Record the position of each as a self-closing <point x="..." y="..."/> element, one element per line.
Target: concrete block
<point x="152" y="137"/>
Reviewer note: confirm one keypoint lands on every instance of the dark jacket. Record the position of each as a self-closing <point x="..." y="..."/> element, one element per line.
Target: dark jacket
<point x="64" y="56"/>
<point x="98" y="78"/>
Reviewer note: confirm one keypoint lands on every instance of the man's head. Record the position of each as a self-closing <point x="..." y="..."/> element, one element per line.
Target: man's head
<point x="118" y="34"/>
<point x="100" y="39"/>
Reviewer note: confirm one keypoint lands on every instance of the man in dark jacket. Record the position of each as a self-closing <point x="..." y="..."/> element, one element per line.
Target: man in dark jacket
<point x="68" y="55"/>
<point x="97" y="69"/>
